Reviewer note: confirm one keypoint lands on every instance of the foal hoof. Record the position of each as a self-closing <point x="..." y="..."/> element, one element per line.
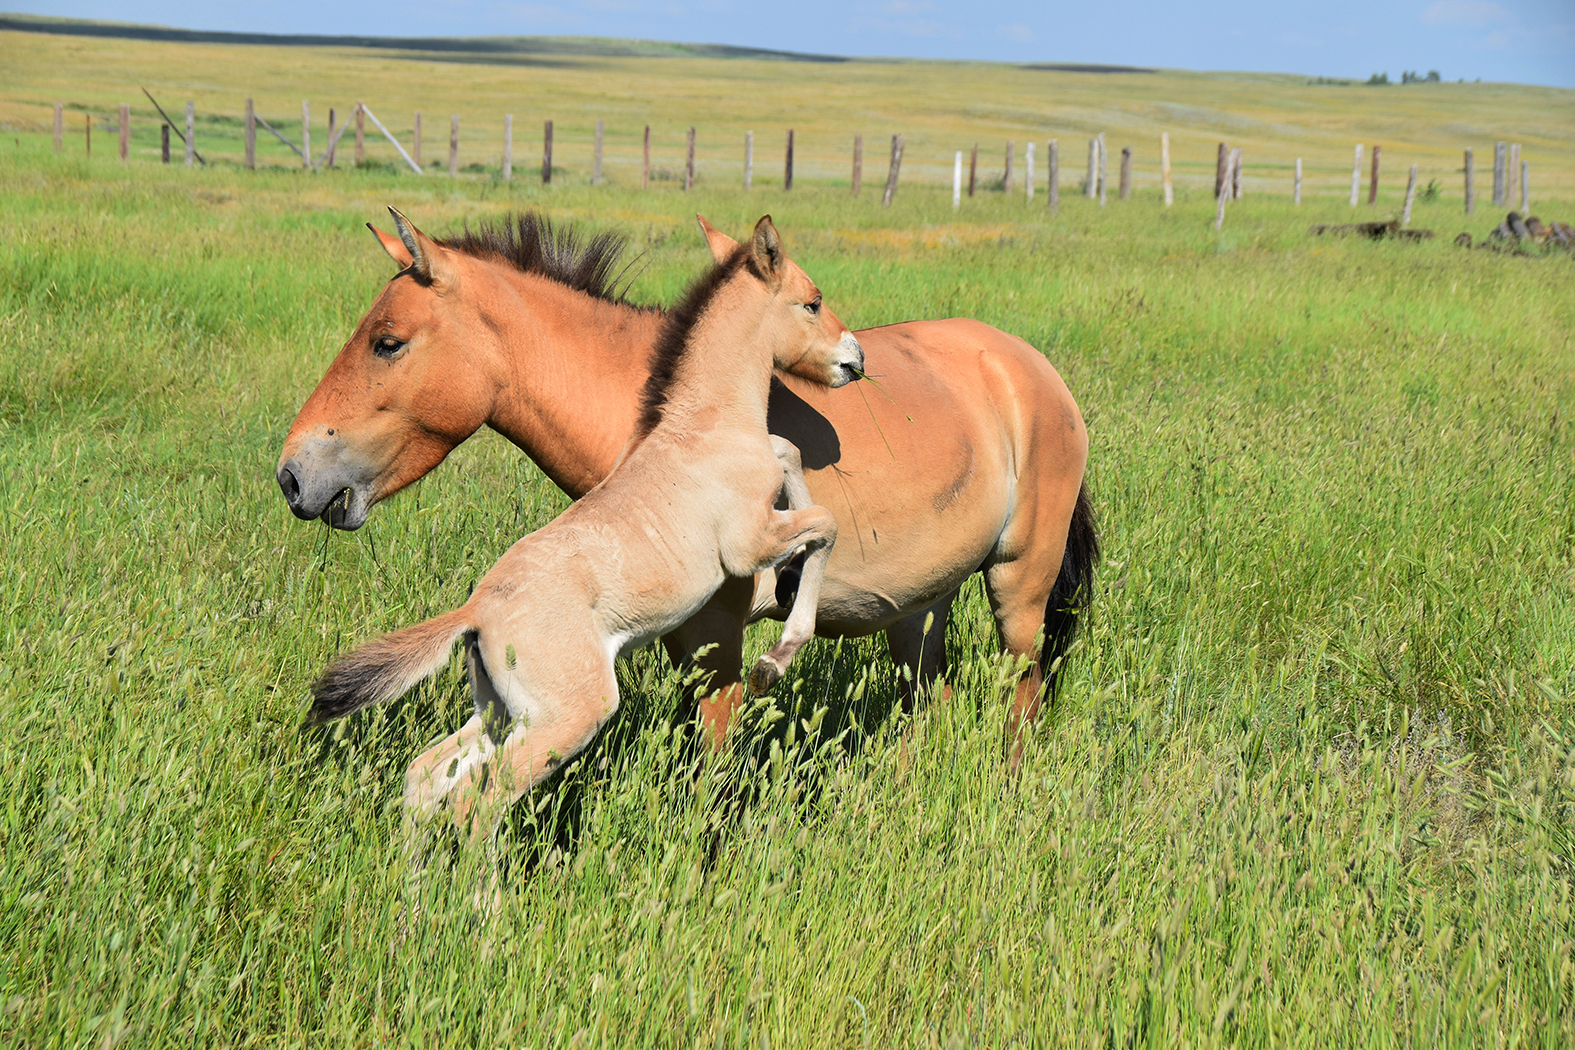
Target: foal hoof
<point x="763" y="676"/>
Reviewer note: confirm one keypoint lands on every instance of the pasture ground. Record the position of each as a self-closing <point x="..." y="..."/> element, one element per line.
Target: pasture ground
<point x="1311" y="780"/>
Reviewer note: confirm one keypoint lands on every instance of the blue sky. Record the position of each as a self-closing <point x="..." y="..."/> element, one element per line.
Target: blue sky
<point x="1526" y="41"/>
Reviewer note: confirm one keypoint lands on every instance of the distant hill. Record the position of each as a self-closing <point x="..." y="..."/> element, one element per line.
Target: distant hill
<point x="479" y="45"/>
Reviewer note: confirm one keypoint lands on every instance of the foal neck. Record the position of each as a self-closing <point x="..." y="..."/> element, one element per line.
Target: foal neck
<point x="712" y="366"/>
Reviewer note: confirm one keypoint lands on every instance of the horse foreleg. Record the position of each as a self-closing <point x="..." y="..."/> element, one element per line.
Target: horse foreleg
<point x="920" y="654"/>
<point x="815" y="529"/>
<point x="796" y="491"/>
<point x="712" y="642"/>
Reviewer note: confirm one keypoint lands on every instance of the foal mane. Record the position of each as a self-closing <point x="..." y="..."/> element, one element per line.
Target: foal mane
<point x="531" y="243"/>
<point x="673" y="341"/>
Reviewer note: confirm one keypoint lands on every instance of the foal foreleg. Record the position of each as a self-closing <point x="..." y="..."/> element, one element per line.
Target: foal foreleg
<point x="790" y="572"/>
<point x="816" y="529"/>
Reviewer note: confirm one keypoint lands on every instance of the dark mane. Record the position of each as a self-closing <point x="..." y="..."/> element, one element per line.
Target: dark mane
<point x="673" y="340"/>
<point x="531" y="243"/>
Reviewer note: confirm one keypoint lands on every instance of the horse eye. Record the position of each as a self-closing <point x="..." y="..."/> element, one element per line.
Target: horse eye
<point x="813" y="307"/>
<point x="387" y="346"/>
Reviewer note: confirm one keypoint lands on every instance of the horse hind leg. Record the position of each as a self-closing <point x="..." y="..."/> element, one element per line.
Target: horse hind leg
<point x="920" y="654"/>
<point x="1019" y="591"/>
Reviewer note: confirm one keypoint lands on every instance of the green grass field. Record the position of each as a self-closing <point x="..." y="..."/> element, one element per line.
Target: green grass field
<point x="1311" y="780"/>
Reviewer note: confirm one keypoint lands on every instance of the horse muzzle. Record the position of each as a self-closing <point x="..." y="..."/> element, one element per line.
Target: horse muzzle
<point x="850" y="361"/>
<point x="339" y="501"/>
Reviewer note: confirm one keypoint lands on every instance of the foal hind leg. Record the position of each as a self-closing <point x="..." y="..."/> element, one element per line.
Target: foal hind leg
<point x="920" y="655"/>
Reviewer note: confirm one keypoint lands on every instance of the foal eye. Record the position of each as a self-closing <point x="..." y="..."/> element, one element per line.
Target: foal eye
<point x="387" y="346"/>
<point x="813" y="307"/>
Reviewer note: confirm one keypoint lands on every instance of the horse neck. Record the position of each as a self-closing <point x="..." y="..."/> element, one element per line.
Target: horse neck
<point x="569" y="376"/>
<point x="723" y="379"/>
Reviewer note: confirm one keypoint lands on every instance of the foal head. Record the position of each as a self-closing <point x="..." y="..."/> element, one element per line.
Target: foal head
<point x="394" y="402"/>
<point x="807" y="339"/>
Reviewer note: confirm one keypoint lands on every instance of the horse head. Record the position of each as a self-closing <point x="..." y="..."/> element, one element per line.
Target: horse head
<point x="394" y="402"/>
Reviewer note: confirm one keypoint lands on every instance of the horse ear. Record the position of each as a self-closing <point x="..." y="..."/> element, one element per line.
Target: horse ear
<point x="765" y="247"/>
<point x="722" y="246"/>
<point x="393" y="246"/>
<point x="426" y="257"/>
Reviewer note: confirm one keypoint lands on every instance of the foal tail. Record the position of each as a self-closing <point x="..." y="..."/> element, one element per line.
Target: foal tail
<point x="1073" y="590"/>
<point x="387" y="668"/>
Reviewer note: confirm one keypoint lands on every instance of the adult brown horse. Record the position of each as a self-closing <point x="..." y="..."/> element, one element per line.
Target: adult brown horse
<point x="973" y="461"/>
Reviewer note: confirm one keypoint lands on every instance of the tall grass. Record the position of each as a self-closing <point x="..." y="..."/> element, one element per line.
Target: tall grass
<point x="1310" y="780"/>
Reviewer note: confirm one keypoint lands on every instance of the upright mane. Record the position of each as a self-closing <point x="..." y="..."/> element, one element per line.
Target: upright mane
<point x="532" y="243"/>
<point x="673" y="340"/>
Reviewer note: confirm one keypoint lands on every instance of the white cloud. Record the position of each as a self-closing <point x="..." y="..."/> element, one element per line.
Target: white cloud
<point x="1464" y="12"/>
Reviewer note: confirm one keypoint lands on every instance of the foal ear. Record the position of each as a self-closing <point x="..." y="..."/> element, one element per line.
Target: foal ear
<point x="393" y="246"/>
<point x="765" y="248"/>
<point x="426" y="257"/>
<point x="722" y="246"/>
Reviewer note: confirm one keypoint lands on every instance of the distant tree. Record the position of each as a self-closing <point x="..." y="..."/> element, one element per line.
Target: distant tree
<point x="1378" y="78"/>
<point x="1433" y="77"/>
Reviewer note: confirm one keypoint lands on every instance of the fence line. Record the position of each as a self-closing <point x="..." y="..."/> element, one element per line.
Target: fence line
<point x="1511" y="175"/>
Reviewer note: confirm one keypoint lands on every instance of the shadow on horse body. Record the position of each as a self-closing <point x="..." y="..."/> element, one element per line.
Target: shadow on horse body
<point x="971" y="458"/>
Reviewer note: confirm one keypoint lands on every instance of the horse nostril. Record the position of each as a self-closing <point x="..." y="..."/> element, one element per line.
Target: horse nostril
<point x="289" y="486"/>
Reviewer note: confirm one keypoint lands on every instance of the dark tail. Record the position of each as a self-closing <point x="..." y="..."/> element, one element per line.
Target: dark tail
<point x="1073" y="590"/>
<point x="386" y="669"/>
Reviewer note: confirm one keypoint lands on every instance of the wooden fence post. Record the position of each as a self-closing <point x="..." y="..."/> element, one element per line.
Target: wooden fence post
<point x="1028" y="170"/>
<point x="1225" y="188"/>
<point x="1126" y="173"/>
<point x="1235" y="175"/>
<point x="1471" y="195"/>
<point x="1372" y="185"/>
<point x="787" y="167"/>
<point x="546" y="153"/>
<point x="645" y="169"/>
<point x="306" y="134"/>
<point x="60" y="126"/>
<point x="508" y="142"/>
<point x="957" y="182"/>
<point x="1164" y="168"/>
<point x="415" y="152"/>
<point x="1104" y="160"/>
<point x="125" y="131"/>
<point x="164" y="143"/>
<point x="689" y="162"/>
<point x="1006" y="177"/>
<point x="1525" y="186"/>
<point x="897" y="142"/>
<point x="251" y="137"/>
<point x="453" y="145"/>
<point x="333" y="139"/>
<point x="191" y="133"/>
<point x="973" y="169"/>
<point x="1356" y="175"/>
<point x="1509" y="173"/>
<point x="749" y="162"/>
<point x="1221" y="163"/>
<point x="1498" y="174"/>
<point x="596" y="156"/>
<point x="1053" y="162"/>
<point x="360" y="133"/>
<point x="858" y="163"/>
<point x="1091" y="186"/>
<point x="1410" y="195"/>
<point x="1296" y="191"/>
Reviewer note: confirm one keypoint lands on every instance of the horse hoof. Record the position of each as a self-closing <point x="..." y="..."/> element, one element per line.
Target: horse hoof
<point x="763" y="676"/>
